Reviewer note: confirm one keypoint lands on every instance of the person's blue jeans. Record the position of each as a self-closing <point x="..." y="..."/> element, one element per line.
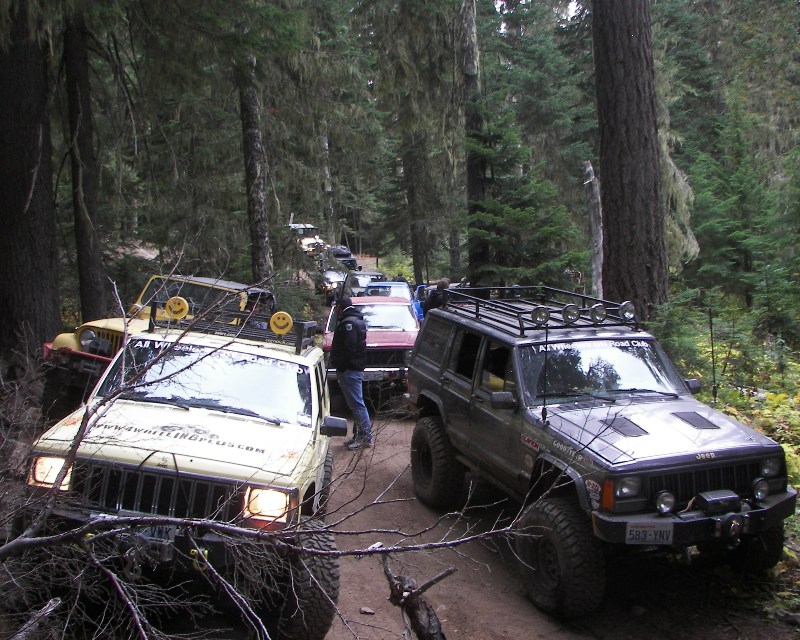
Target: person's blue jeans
<point x="351" y="384"/>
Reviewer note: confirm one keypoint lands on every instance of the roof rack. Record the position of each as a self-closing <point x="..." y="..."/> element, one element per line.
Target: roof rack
<point x="518" y="309"/>
<point x="242" y="324"/>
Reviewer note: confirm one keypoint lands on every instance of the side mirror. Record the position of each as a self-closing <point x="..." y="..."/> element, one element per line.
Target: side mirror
<point x="693" y="385"/>
<point x="333" y="426"/>
<point x="503" y="400"/>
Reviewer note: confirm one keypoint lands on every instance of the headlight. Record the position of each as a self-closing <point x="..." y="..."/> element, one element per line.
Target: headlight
<point x="44" y="471"/>
<point x="771" y="467"/>
<point x="267" y="504"/>
<point x="760" y="489"/>
<point x="407" y="358"/>
<point x="86" y="337"/>
<point x="629" y="487"/>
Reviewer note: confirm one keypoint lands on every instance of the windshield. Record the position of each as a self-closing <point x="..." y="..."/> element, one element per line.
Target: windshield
<point x="389" y="290"/>
<point x="597" y="368"/>
<point x="397" y="317"/>
<point x="199" y="296"/>
<point x="218" y="379"/>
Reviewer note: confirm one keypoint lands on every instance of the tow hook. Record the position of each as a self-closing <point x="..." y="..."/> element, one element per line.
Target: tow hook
<point x="199" y="559"/>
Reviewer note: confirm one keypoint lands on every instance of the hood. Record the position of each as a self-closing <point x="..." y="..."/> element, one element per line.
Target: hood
<point x="380" y="339"/>
<point x="391" y="338"/>
<point x="654" y="429"/>
<point x="118" y="325"/>
<point x="168" y="437"/>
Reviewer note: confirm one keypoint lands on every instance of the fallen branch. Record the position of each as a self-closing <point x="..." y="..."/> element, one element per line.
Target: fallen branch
<point x="417" y="613"/>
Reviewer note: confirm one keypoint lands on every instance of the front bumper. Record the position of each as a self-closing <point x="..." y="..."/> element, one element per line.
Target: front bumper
<point x="377" y="376"/>
<point x="690" y="527"/>
<point x="78" y="363"/>
<point x="174" y="548"/>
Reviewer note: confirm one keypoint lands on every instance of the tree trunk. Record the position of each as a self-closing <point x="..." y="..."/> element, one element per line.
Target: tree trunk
<point x="29" y="286"/>
<point x="635" y="254"/>
<point x="255" y="177"/>
<point x="474" y="124"/>
<point x="595" y="228"/>
<point x="91" y="272"/>
<point x="414" y="181"/>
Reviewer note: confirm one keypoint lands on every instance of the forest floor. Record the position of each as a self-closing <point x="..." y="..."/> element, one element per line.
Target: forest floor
<point x="653" y="597"/>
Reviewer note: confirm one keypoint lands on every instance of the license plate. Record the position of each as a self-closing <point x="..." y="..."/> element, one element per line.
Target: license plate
<point x="648" y="533"/>
<point x="159" y="533"/>
<point x="372" y="376"/>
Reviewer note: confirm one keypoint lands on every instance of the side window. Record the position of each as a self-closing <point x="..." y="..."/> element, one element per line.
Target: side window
<point x="496" y="370"/>
<point x="465" y="353"/>
<point x="437" y="335"/>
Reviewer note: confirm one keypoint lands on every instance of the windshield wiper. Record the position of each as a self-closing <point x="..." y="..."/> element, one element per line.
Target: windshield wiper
<point x="578" y="394"/>
<point x="140" y="396"/>
<point x="235" y="410"/>
<point x="669" y="394"/>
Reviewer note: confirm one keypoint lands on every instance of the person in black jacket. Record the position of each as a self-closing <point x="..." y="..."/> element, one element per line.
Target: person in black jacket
<point x="349" y="357"/>
<point x="436" y="297"/>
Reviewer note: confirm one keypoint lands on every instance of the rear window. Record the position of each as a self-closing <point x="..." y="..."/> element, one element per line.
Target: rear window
<point x="435" y="336"/>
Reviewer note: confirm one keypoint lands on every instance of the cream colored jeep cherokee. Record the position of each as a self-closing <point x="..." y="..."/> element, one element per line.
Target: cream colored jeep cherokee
<point x="195" y="426"/>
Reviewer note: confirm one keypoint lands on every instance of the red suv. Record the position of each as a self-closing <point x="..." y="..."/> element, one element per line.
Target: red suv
<point x="392" y="328"/>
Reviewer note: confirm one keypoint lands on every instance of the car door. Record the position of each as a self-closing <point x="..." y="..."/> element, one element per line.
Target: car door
<point x="457" y="384"/>
<point x="494" y="434"/>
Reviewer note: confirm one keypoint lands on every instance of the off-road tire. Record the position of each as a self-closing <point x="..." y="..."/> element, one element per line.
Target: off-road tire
<point x="759" y="553"/>
<point x="438" y="476"/>
<point x="312" y="589"/>
<point x="563" y="564"/>
<point x="58" y="398"/>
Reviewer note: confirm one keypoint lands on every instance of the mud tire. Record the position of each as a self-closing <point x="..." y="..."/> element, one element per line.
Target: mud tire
<point x="563" y="564"/>
<point x="312" y="588"/>
<point x="438" y="477"/>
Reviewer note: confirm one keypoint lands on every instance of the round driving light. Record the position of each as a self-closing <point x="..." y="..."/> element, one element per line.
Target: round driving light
<point x="598" y="313"/>
<point x="87" y="336"/>
<point x="665" y="502"/>
<point x="732" y="527"/>
<point x="570" y="313"/>
<point x="627" y="311"/>
<point x="540" y="315"/>
<point x="760" y="489"/>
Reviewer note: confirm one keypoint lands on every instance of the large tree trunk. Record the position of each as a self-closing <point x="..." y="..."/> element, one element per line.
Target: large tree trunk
<point x="474" y="124"/>
<point x="635" y="254"/>
<point x="255" y="177"/>
<point x="415" y="179"/>
<point x="91" y="272"/>
<point x="28" y="286"/>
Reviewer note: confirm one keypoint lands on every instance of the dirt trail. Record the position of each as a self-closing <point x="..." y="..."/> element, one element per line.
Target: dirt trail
<point x="653" y="598"/>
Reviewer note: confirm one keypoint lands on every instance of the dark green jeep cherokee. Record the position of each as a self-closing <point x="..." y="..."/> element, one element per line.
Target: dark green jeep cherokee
<point x="563" y="402"/>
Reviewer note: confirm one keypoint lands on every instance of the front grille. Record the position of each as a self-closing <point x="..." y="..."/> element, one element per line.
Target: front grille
<point x="114" y="339"/>
<point x="386" y="357"/>
<point x="684" y="485"/>
<point x="114" y="488"/>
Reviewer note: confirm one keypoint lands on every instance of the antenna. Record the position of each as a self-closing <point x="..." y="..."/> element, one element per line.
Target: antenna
<point x="713" y="360"/>
<point x="544" y="394"/>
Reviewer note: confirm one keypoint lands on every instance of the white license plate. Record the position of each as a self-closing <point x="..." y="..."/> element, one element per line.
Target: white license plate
<point x="159" y="533"/>
<point x="648" y="533"/>
<point x="372" y="376"/>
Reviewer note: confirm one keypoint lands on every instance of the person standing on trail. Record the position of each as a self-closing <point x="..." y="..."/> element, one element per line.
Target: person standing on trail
<point x="349" y="357"/>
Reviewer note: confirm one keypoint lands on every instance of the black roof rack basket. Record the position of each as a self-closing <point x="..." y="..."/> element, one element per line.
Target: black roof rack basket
<point x="511" y="309"/>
